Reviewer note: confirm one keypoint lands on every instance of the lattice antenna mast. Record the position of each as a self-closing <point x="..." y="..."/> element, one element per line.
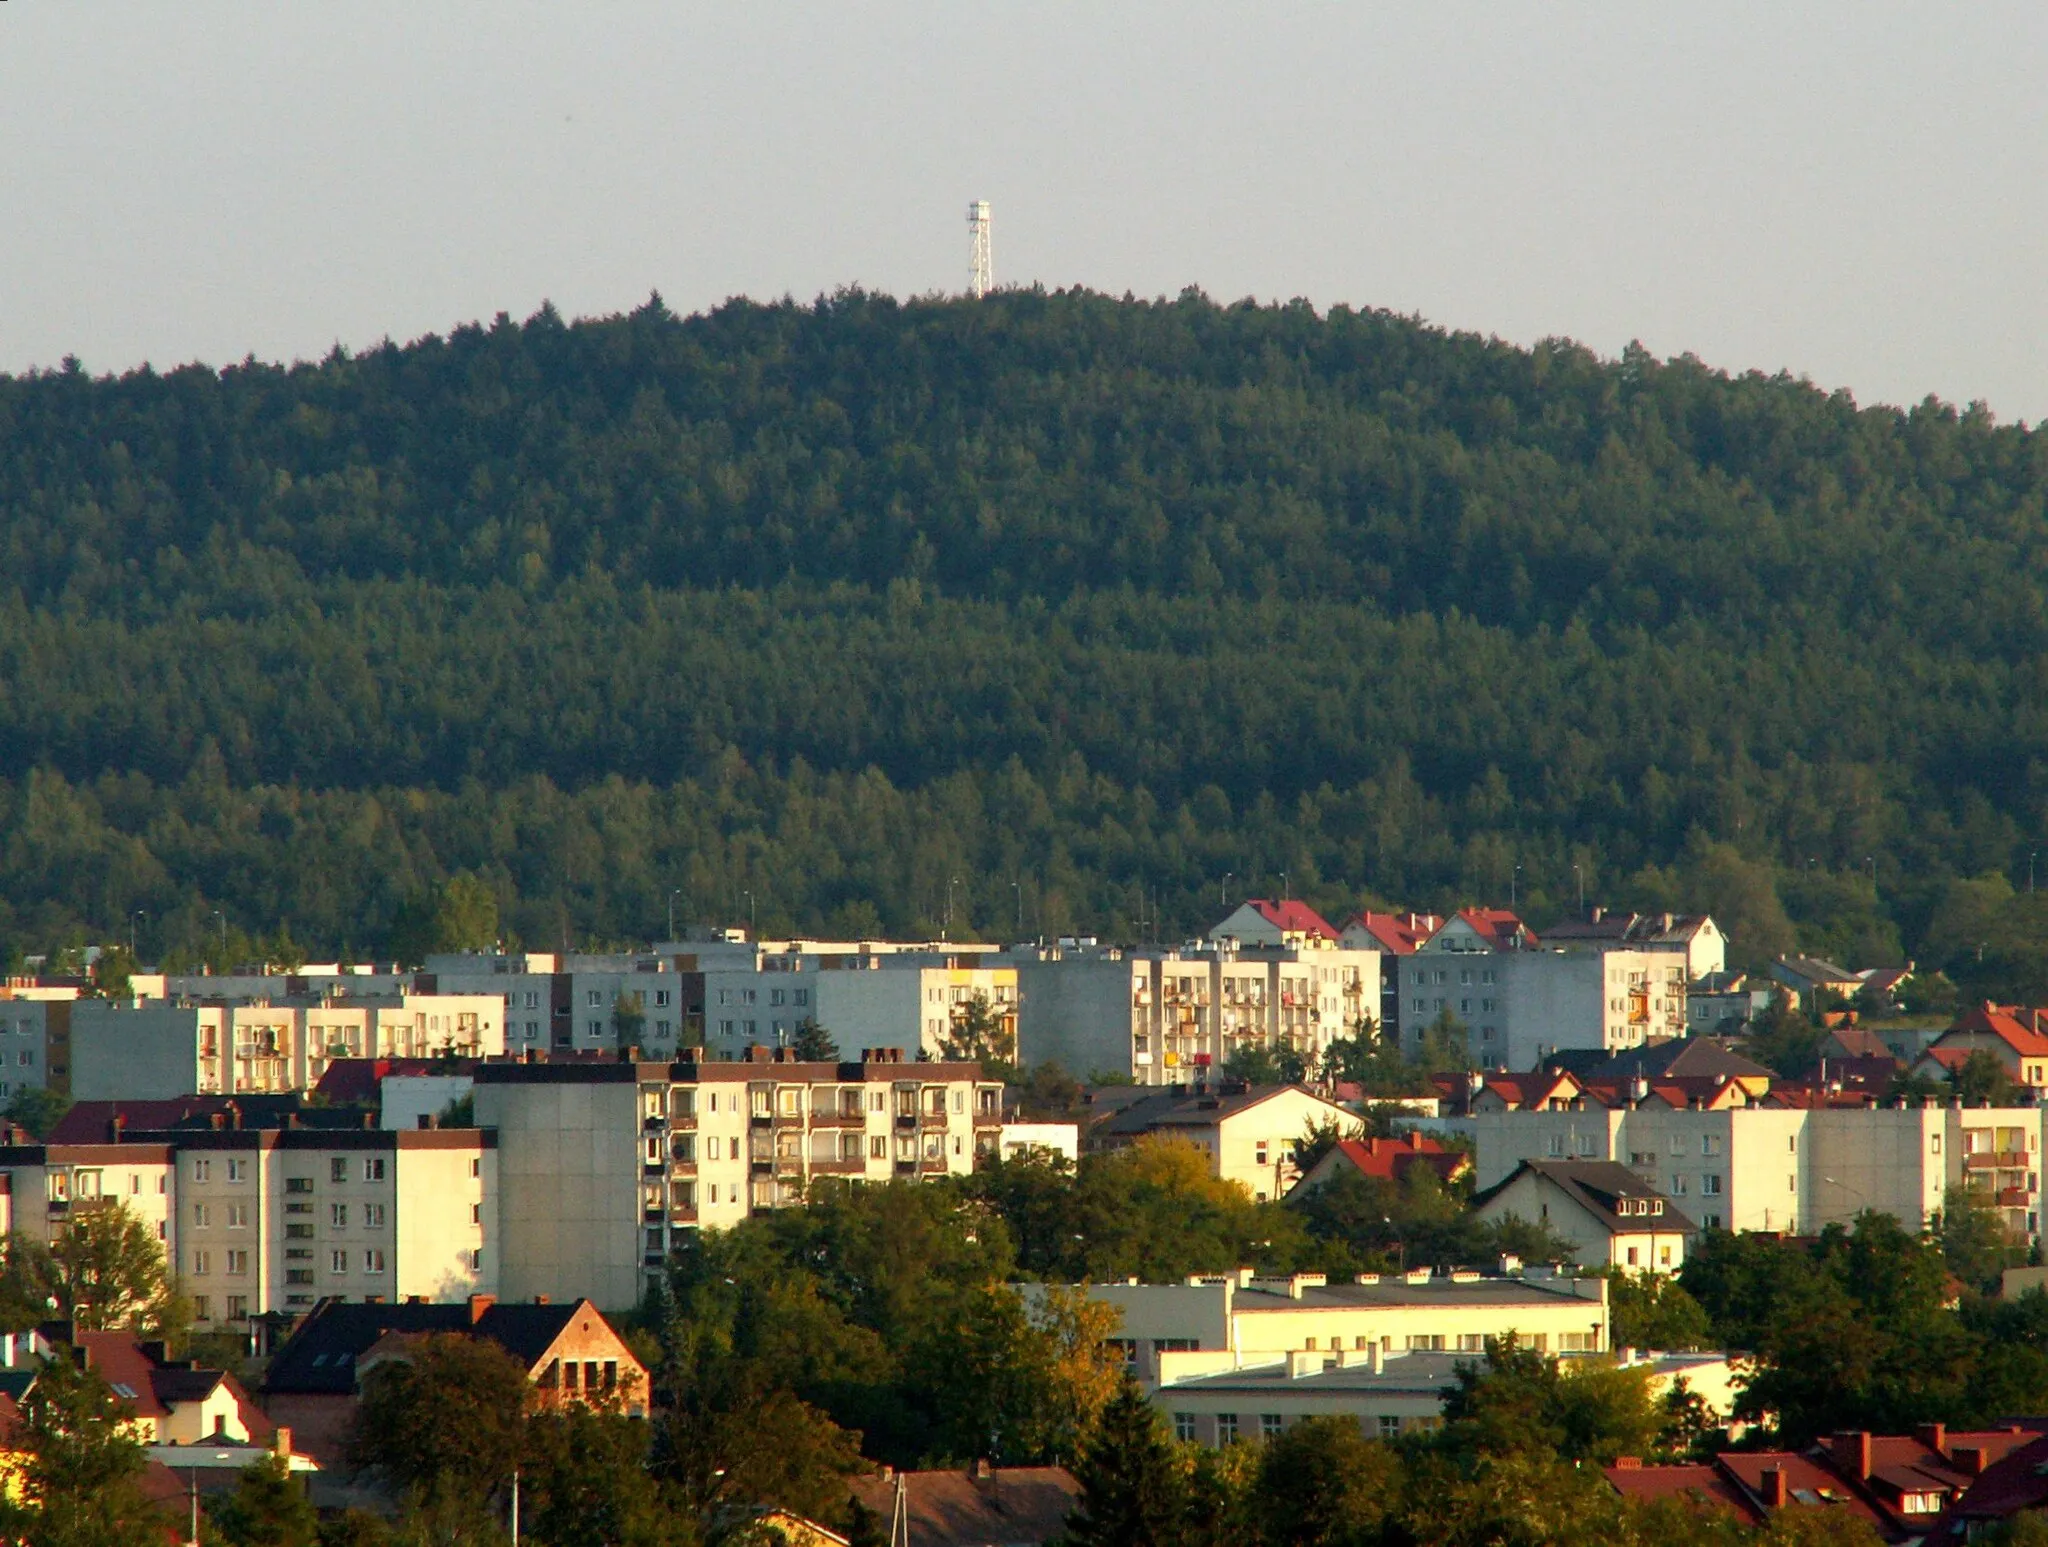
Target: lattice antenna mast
<point x="981" y="263"/>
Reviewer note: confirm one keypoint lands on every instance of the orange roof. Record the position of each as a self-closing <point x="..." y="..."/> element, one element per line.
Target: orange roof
<point x="1398" y="933"/>
<point x="1293" y="917"/>
<point x="1698" y="1485"/>
<point x="117" y="1360"/>
<point x="1808" y="1484"/>
<point x="1389" y="1158"/>
<point x="2004" y="1022"/>
<point x="1498" y="927"/>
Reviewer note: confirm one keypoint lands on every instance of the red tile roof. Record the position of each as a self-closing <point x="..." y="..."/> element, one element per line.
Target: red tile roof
<point x="1498" y="927"/>
<point x="1293" y="917"/>
<point x="2016" y="1481"/>
<point x="1808" y="1483"/>
<point x="1700" y="1486"/>
<point x="117" y="1360"/>
<point x="1397" y="933"/>
<point x="959" y="1509"/>
<point x="2012" y="1024"/>
<point x="1389" y="1159"/>
<point x="360" y="1081"/>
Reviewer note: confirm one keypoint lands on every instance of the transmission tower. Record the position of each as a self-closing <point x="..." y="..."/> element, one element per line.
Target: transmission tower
<point x="981" y="276"/>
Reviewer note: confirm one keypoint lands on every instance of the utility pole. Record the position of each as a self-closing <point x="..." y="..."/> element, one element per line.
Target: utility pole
<point x="515" y="1507"/>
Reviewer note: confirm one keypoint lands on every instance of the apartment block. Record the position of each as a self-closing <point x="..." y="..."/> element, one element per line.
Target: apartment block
<point x="258" y="1222"/>
<point x="35" y="1038"/>
<point x="1167" y="1016"/>
<point x="604" y="1166"/>
<point x="1522" y="1000"/>
<point x="154" y="1049"/>
<point x="1789" y="1169"/>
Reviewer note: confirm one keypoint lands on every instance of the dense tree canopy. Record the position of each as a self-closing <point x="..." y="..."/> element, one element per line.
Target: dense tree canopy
<point x="1087" y="602"/>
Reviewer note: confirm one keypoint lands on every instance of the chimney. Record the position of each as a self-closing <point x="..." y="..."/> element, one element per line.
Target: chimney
<point x="1971" y="1459"/>
<point x="1851" y="1450"/>
<point x="478" y="1304"/>
<point x="982" y="1473"/>
<point x="1772" y="1486"/>
<point x="281" y="1441"/>
<point x="540" y="1299"/>
<point x="114" y="1126"/>
<point x="1934" y="1436"/>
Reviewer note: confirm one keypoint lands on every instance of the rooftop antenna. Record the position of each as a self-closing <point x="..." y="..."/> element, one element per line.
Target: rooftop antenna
<point x="981" y="276"/>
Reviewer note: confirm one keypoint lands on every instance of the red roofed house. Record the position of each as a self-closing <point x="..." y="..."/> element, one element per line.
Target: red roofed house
<point x="1262" y="921"/>
<point x="175" y="1402"/>
<point x="1386" y="1159"/>
<point x="2016" y="1037"/>
<point x="984" y="1506"/>
<point x="1907" y="1488"/>
<point x="1465" y="1095"/>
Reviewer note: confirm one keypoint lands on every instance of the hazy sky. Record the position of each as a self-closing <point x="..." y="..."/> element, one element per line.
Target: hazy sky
<point x="1855" y="192"/>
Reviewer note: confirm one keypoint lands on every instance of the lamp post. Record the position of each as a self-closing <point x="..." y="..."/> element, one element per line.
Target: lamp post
<point x="1223" y="891"/>
<point x="1017" y="886"/>
<point x="143" y="913"/>
<point x="673" y="893"/>
<point x="1579" y="875"/>
<point x="222" y="919"/>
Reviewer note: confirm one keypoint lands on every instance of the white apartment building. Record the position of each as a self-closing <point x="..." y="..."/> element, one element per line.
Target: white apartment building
<point x="1789" y="1169"/>
<point x="1521" y="1000"/>
<point x="1166" y="1016"/>
<point x="604" y="1166"/>
<point x="154" y="1049"/>
<point x="902" y="999"/>
<point x="258" y="1222"/>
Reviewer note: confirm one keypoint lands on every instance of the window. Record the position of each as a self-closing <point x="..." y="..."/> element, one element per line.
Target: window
<point x="238" y="1170"/>
<point x="1678" y="1188"/>
<point x="1934" y="1140"/>
<point x="238" y="1307"/>
<point x="476" y="1213"/>
<point x="1271" y="1425"/>
<point x="238" y="1264"/>
<point x="337" y="1215"/>
<point x="373" y="1168"/>
<point x="476" y="1168"/>
<point x="1710" y="1144"/>
<point x="594" y="998"/>
<point x="878" y="1148"/>
<point x="298" y="1184"/>
<point x="238" y="1216"/>
<point x="337" y="1170"/>
<point x="337" y="1260"/>
<point x="373" y="1260"/>
<point x="202" y="1263"/>
<point x="1390" y="1426"/>
<point x="661" y="999"/>
<point x="202" y="1170"/>
<point x="1226" y="1428"/>
<point x="1710" y="1184"/>
<point x="1259" y="1155"/>
<point x="1184" y="1428"/>
<point x="202" y="1308"/>
<point x="202" y="1215"/>
<point x="476" y="1260"/>
<point x="373" y="1216"/>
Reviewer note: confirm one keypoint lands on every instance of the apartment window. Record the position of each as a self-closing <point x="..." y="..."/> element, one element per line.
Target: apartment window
<point x="337" y="1170"/>
<point x="594" y="1029"/>
<point x="1710" y="1184"/>
<point x="337" y="1215"/>
<point x="1710" y="1144"/>
<point x="476" y="1260"/>
<point x="373" y="1260"/>
<point x="1678" y="1186"/>
<point x="594" y="998"/>
<point x="202" y="1308"/>
<point x="711" y="1146"/>
<point x="338" y="1261"/>
<point x="202" y="1263"/>
<point x="238" y="1216"/>
<point x="663" y="1030"/>
<point x="238" y="1170"/>
<point x="532" y="999"/>
<point x="373" y="1168"/>
<point x="1226" y="1428"/>
<point x="202" y="1215"/>
<point x="1390" y="1426"/>
<point x="1556" y="1145"/>
<point x="373" y="1216"/>
<point x="476" y="1213"/>
<point x="1259" y="1155"/>
<point x="298" y="1184"/>
<point x="476" y="1168"/>
<point x="661" y="999"/>
<point x="801" y="996"/>
<point x="1184" y="1428"/>
<point x="878" y="1148"/>
<point x="238" y="1264"/>
<point x="1934" y="1140"/>
<point x="238" y="1307"/>
<point x="1271" y="1425"/>
<point x="202" y="1170"/>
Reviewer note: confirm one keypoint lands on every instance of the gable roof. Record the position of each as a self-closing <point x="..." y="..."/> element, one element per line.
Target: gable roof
<point x="1808" y="1483"/>
<point x="1814" y="969"/>
<point x="1857" y="1042"/>
<point x="1390" y="1159"/>
<point x="1500" y="929"/>
<point x="320" y="1357"/>
<point x="1599" y="1187"/>
<point x="1396" y="933"/>
<point x="1292" y="916"/>
<point x="2014" y="1025"/>
<point x="119" y="1361"/>
<point x="1179" y="1107"/>
<point x="95" y="1122"/>
<point x="1697" y="1484"/>
<point x="961" y="1509"/>
<point x="1673" y="1058"/>
<point x="2017" y="1480"/>
<point x="1538" y="1089"/>
<point x="360" y="1081"/>
<point x="1602" y="926"/>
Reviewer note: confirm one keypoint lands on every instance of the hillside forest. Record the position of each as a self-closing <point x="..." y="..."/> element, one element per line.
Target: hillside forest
<point x="1053" y="612"/>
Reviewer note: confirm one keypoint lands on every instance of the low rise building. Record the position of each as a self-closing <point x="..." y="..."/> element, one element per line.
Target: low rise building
<point x="2013" y="1034"/>
<point x="1394" y="936"/>
<point x="1386" y="1394"/>
<point x="605" y="1165"/>
<point x="1386" y="1160"/>
<point x="570" y="1353"/>
<point x="1262" y="921"/>
<point x="1611" y="1215"/>
<point x="1208" y="1324"/>
<point x="1248" y="1133"/>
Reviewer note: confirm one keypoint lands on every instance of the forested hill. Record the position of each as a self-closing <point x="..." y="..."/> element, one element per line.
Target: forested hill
<point x="1090" y="604"/>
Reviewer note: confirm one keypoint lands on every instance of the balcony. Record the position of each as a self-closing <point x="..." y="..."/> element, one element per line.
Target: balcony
<point x="654" y="1124"/>
<point x="839" y="1119"/>
<point x="683" y="1167"/>
<point x="2013" y="1197"/>
<point x="839" y="1167"/>
<point x="687" y="1120"/>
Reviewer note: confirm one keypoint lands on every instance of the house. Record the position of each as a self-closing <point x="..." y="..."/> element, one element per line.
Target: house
<point x="982" y="1506"/>
<point x="1904" y="1487"/>
<point x="1809" y="976"/>
<point x="1228" y="1321"/>
<point x="1723" y="1003"/>
<point x="570" y="1352"/>
<point x="1386" y="1160"/>
<point x="1881" y="985"/>
<point x="172" y="1401"/>
<point x="1611" y="1215"/>
<point x="1247" y="1131"/>
<point x="2017" y="1037"/>
<point x="1676" y="1058"/>
<point x="1385" y="1394"/>
<point x="1262" y="921"/>
<point x="1548" y="1091"/>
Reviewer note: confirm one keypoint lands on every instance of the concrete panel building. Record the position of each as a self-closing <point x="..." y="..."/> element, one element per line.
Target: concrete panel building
<point x="604" y="1166"/>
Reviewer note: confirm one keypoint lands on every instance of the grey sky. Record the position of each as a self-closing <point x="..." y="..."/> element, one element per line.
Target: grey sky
<point x="1855" y="192"/>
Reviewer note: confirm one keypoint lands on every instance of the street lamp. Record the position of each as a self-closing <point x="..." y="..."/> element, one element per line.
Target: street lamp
<point x="1223" y="891"/>
<point x="222" y="919"/>
<point x="143" y="913"/>
<point x="673" y="894"/>
<point x="192" y="1489"/>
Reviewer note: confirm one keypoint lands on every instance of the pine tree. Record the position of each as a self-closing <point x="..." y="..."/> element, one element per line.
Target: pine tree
<point x="1132" y="1493"/>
